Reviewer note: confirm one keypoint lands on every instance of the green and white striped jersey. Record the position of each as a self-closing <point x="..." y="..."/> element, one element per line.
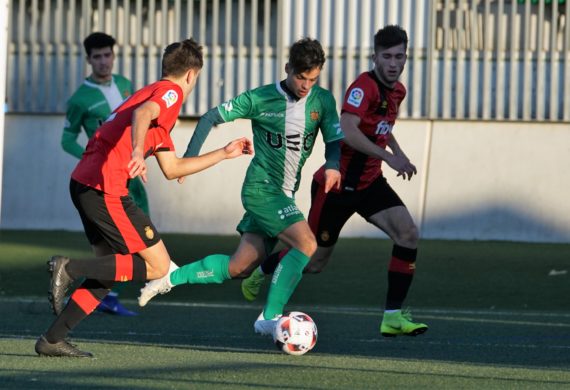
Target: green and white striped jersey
<point x="89" y="107"/>
<point x="284" y="130"/>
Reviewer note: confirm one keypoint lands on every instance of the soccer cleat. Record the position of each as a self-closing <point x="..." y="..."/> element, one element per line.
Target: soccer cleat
<point x="265" y="327"/>
<point x="110" y="304"/>
<point x="251" y="285"/>
<point x="60" y="283"/>
<point x="61" y="349"/>
<point x="157" y="286"/>
<point x="400" y="323"/>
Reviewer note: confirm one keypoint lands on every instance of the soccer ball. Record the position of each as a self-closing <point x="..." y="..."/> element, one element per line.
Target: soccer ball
<point x="295" y="333"/>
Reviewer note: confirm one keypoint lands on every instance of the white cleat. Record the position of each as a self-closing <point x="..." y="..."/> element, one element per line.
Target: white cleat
<point x="157" y="286"/>
<point x="265" y="327"/>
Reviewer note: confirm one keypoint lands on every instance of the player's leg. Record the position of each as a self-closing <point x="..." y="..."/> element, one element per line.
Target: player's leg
<point x="110" y="303"/>
<point x="125" y="229"/>
<point x="251" y="285"/>
<point x="101" y="218"/>
<point x="288" y="273"/>
<point x="391" y="216"/>
<point x="319" y="260"/>
<point x="211" y="269"/>
<point x="218" y="268"/>
<point x="85" y="298"/>
<point x="81" y="303"/>
<point x="397" y="223"/>
<point x="327" y="215"/>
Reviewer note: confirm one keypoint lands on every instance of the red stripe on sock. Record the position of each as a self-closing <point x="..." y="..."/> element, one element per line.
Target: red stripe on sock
<point x="133" y="241"/>
<point x="85" y="300"/>
<point x="123" y="268"/>
<point x="401" y="266"/>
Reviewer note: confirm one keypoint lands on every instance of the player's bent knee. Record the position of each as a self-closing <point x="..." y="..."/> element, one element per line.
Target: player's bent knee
<point x="408" y="237"/>
<point x="238" y="271"/>
<point x="310" y="247"/>
<point x="159" y="271"/>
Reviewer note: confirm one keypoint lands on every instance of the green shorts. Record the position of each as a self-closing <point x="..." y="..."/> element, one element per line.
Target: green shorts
<point x="268" y="210"/>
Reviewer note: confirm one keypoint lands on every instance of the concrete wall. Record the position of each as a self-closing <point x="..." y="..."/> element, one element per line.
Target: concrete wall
<point x="477" y="180"/>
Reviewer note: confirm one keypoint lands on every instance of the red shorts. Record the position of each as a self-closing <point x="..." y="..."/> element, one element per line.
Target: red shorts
<point x="117" y="220"/>
<point x="329" y="212"/>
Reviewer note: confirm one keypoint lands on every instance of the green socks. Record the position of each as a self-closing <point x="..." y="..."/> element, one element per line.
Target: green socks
<point x="211" y="269"/>
<point x="215" y="269"/>
<point x="285" y="279"/>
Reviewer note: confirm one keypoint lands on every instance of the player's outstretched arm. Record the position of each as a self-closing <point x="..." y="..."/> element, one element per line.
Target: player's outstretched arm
<point x="174" y="167"/>
<point x="205" y="124"/>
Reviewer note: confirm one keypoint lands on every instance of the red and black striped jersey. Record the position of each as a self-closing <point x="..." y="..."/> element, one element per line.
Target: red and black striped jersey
<point x="377" y="106"/>
<point x="103" y="166"/>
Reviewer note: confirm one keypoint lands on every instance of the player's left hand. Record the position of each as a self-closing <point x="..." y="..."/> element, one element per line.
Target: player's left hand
<point x="408" y="170"/>
<point x="332" y="180"/>
<point x="238" y="148"/>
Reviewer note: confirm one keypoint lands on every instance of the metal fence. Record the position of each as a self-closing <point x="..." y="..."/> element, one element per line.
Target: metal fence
<point x="468" y="59"/>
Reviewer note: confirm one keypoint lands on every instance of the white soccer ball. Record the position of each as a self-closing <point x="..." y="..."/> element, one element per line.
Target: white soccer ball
<point x="295" y="333"/>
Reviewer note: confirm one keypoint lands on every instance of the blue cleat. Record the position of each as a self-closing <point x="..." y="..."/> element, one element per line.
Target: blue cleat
<point x="111" y="305"/>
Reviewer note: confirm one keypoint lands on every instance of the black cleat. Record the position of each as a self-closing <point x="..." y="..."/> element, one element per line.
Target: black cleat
<point x="61" y="348"/>
<point x="60" y="283"/>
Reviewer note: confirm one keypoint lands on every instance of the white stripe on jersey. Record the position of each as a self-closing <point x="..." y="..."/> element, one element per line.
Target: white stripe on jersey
<point x="111" y="93"/>
<point x="294" y="133"/>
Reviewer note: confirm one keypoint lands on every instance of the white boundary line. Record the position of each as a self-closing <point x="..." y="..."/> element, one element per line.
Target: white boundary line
<point x="332" y="309"/>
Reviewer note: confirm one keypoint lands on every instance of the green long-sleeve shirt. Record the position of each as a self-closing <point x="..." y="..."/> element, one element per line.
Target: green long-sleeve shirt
<point x="89" y="107"/>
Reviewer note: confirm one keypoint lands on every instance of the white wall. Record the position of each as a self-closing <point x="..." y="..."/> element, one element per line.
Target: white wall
<point x="484" y="180"/>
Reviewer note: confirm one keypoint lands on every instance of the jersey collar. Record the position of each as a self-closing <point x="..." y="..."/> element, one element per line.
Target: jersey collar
<point x="285" y="91"/>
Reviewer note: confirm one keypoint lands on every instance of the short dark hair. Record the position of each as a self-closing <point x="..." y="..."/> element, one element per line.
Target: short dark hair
<point x="98" y="40"/>
<point x="390" y="36"/>
<point x="306" y="54"/>
<point x="179" y="57"/>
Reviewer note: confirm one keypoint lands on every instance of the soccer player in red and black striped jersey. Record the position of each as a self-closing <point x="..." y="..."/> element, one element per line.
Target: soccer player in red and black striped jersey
<point x="369" y="112"/>
<point x="122" y="235"/>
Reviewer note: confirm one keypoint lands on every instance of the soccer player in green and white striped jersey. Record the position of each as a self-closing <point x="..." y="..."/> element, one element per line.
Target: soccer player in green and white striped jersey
<point x="285" y="119"/>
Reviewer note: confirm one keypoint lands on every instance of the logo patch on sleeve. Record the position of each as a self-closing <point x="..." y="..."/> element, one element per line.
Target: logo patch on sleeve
<point x="228" y="106"/>
<point x="170" y="97"/>
<point x="355" y="97"/>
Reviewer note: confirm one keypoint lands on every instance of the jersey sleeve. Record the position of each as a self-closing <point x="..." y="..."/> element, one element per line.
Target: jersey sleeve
<point x="169" y="98"/>
<point x="239" y="107"/>
<point x="330" y="126"/>
<point x="359" y="97"/>
<point x="158" y="140"/>
<point x="72" y="129"/>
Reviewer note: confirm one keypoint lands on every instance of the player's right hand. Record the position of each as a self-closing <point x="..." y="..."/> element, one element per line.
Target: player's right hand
<point x="238" y="148"/>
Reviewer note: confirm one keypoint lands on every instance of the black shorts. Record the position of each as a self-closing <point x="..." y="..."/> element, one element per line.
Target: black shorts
<point x="329" y="212"/>
<point x="117" y="220"/>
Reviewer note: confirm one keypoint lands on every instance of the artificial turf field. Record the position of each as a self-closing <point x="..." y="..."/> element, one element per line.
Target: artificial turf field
<point x="499" y="317"/>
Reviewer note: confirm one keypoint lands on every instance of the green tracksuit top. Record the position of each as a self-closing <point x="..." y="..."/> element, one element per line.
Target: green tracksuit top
<point x="89" y="107"/>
